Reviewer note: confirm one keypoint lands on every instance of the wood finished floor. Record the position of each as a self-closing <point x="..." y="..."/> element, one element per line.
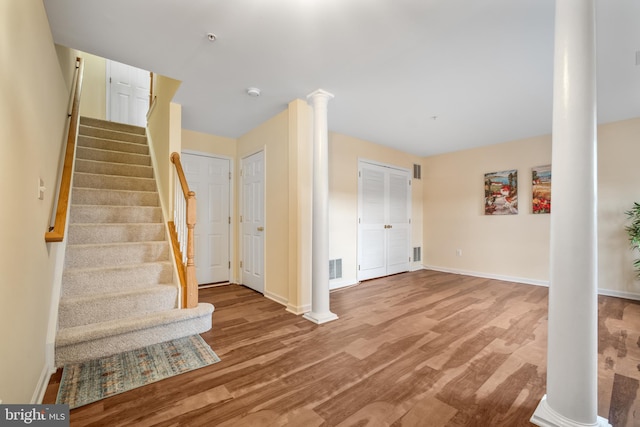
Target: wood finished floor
<point x="415" y="349"/>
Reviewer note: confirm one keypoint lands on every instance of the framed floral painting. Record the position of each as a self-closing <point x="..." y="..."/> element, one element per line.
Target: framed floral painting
<point x="501" y="193"/>
<point x="541" y="189"/>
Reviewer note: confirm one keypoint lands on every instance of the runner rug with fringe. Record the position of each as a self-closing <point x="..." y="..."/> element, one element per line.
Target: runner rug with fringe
<point x="87" y="382"/>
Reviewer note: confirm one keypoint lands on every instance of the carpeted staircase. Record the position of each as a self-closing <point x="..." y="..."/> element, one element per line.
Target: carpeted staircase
<point x="118" y="291"/>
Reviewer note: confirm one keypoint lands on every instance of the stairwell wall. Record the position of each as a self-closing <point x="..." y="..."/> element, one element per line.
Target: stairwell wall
<point x="160" y="122"/>
<point x="94" y="87"/>
<point x="33" y="114"/>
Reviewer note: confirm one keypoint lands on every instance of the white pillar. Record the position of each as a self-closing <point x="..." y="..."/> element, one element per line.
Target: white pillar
<point x="572" y="355"/>
<point x="320" y="312"/>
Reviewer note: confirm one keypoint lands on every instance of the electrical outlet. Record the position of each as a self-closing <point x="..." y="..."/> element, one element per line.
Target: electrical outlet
<point x="459" y="252"/>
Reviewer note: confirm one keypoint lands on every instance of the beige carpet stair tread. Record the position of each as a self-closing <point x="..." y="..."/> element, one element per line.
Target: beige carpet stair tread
<point x="70" y="336"/>
<point x="113" y="182"/>
<point x="104" y="339"/>
<point x="107" y="306"/>
<point x="111" y="168"/>
<point x="124" y="147"/>
<point x="97" y="214"/>
<point x="87" y="281"/>
<point x="87" y="233"/>
<point x="123" y="127"/>
<point x="95" y="196"/>
<point x="112" y="156"/>
<point x="102" y="255"/>
<point x="112" y="134"/>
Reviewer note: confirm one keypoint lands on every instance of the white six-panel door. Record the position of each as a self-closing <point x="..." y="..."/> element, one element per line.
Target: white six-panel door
<point x="210" y="178"/>
<point x="384" y="207"/>
<point x="253" y="223"/>
<point x="127" y="94"/>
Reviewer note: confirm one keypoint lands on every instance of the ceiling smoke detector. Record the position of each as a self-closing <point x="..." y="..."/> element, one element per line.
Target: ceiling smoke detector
<point x="253" y="92"/>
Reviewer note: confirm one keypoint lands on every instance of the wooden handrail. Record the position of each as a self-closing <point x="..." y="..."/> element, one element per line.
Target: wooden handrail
<point x="187" y="276"/>
<point x="56" y="233"/>
<point x="175" y="159"/>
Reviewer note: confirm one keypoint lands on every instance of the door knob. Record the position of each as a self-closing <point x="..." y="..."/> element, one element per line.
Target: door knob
<point x="260" y="228"/>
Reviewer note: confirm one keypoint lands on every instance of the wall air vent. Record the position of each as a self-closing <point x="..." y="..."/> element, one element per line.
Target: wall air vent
<point x="335" y="269"/>
<point x="417" y="253"/>
<point x="417" y="171"/>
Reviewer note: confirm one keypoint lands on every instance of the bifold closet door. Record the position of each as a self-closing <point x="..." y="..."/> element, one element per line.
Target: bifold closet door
<point x="384" y="206"/>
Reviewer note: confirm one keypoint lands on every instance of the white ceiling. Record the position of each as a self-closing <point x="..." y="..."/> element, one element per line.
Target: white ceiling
<point x="483" y="68"/>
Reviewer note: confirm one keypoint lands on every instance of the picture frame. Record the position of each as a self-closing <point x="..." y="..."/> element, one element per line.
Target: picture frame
<point x="501" y="192"/>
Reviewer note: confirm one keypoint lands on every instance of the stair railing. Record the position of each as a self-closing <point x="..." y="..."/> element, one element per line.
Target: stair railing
<point x="56" y="232"/>
<point x="182" y="238"/>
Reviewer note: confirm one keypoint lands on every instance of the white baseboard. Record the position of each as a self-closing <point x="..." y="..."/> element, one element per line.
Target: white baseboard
<point x="276" y="298"/>
<point x="523" y="280"/>
<point x="606" y="292"/>
<point x="299" y="309"/>
<point x="338" y="284"/>
<point x="41" y="387"/>
<point x="619" y="294"/>
<point x="417" y="266"/>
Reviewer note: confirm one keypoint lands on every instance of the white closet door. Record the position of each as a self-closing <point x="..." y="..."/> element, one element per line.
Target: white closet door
<point x="209" y="178"/>
<point x="253" y="222"/>
<point x="398" y="213"/>
<point x="383" y="221"/>
<point x="372" y="234"/>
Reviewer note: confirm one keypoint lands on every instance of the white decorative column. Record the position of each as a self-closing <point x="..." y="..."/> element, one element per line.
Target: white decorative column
<point x="320" y="312"/>
<point x="572" y="355"/>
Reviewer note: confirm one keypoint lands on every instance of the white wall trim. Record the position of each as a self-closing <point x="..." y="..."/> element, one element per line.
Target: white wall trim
<point x="619" y="294"/>
<point x="526" y="281"/>
<point x="276" y="298"/>
<point x="523" y="280"/>
<point x="43" y="382"/>
<point x="299" y="309"/>
<point x="338" y="284"/>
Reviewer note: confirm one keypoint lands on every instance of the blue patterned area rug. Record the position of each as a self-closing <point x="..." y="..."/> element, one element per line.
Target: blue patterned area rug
<point x="87" y="382"/>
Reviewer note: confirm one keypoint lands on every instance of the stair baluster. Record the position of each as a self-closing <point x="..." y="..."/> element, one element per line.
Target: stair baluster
<point x="182" y="229"/>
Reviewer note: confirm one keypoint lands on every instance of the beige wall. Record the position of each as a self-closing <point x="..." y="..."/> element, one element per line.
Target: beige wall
<point x="514" y="246"/>
<point x="344" y="152"/>
<point x="300" y="171"/>
<point x="67" y="59"/>
<point x="272" y="137"/>
<point x="164" y="117"/>
<point x="33" y="109"/>
<point x="517" y="246"/>
<point x="94" y="87"/>
<point x="206" y="143"/>
<point x="618" y="188"/>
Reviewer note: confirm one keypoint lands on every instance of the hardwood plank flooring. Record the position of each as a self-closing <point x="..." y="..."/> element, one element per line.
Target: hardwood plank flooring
<point x="416" y="349"/>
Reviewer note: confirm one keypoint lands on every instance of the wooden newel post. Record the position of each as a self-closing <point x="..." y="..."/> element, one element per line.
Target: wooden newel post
<point x="191" y="296"/>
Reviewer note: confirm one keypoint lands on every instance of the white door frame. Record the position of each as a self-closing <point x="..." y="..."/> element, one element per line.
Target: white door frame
<point x="264" y="212"/>
<point x="409" y="207"/>
<point x="232" y="226"/>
